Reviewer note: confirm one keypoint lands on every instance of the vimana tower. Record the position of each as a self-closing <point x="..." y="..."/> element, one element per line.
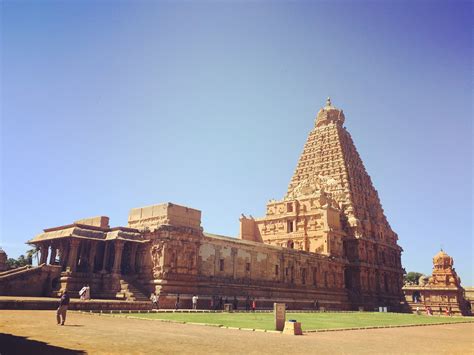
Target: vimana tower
<point x="332" y="208"/>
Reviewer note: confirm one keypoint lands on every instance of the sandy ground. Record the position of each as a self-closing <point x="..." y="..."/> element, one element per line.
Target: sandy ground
<point x="36" y="332"/>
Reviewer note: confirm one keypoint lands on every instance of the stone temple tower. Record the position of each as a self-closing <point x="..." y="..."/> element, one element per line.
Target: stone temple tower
<point x="332" y="208"/>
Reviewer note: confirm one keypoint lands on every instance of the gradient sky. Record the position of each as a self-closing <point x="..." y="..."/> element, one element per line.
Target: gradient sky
<point x="110" y="105"/>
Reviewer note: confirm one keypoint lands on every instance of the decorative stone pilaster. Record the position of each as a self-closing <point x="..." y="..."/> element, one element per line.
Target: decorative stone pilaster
<point x="118" y="256"/>
<point x="72" y="259"/>
<point x="234" y="252"/>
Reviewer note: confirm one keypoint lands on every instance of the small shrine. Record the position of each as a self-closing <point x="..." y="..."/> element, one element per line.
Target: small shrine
<point x="441" y="291"/>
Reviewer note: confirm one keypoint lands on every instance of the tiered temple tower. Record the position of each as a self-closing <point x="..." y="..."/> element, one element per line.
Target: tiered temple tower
<point x="332" y="208"/>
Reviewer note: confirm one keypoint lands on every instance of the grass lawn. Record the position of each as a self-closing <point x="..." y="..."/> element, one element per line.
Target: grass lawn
<point x="309" y="321"/>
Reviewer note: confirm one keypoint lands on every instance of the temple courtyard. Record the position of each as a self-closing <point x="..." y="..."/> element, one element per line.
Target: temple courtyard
<point x="24" y="331"/>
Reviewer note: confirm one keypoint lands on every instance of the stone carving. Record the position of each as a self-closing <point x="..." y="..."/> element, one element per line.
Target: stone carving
<point x="423" y="280"/>
<point x="157" y="257"/>
<point x="312" y="186"/>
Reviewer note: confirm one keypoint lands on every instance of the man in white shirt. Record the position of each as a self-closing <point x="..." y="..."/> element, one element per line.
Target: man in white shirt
<point x="82" y="292"/>
<point x="195" y="301"/>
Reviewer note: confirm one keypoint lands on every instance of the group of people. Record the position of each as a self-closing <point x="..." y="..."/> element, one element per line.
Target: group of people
<point x="216" y="302"/>
<point x="429" y="311"/>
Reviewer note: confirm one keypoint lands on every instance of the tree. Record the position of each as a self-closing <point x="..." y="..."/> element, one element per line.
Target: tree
<point x="32" y="253"/>
<point x="21" y="261"/>
<point x="413" y="277"/>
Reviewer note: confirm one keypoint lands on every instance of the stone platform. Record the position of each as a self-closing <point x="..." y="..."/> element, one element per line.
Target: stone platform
<point x="49" y="303"/>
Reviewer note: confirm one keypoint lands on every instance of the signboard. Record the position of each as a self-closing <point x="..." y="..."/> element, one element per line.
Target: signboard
<point x="279" y="310"/>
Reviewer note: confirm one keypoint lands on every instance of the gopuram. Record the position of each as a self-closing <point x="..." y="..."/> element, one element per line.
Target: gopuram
<point x="441" y="291"/>
<point x="326" y="242"/>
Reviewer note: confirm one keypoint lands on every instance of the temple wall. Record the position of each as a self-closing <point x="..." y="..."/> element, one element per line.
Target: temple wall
<point x="229" y="267"/>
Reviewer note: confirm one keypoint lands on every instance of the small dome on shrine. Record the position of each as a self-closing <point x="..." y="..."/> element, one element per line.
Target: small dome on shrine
<point x="442" y="259"/>
<point x="328" y="114"/>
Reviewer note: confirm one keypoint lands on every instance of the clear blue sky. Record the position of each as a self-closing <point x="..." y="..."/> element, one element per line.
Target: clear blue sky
<point x="111" y="105"/>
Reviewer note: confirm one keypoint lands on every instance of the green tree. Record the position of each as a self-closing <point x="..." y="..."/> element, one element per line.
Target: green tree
<point x="21" y="261"/>
<point x="32" y="253"/>
<point x="413" y="277"/>
<point x="12" y="263"/>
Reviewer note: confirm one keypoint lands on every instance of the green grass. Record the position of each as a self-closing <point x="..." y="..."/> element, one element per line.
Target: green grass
<point x="309" y="321"/>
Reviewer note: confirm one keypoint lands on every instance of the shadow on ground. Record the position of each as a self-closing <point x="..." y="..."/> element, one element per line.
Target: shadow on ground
<point x="12" y="344"/>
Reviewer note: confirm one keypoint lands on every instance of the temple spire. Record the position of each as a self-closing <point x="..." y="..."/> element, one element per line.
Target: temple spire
<point x="328" y="102"/>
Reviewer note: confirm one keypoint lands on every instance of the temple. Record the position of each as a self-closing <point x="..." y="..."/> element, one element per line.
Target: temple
<point x="441" y="291"/>
<point x="326" y="240"/>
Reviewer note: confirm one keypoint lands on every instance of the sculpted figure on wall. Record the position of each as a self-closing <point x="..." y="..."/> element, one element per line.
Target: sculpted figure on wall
<point x="157" y="257"/>
<point x="312" y="186"/>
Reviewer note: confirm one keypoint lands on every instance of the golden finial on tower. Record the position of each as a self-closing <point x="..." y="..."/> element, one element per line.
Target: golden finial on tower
<point x="328" y="102"/>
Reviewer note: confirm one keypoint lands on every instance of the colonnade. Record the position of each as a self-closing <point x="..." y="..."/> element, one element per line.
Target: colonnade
<point x="87" y="255"/>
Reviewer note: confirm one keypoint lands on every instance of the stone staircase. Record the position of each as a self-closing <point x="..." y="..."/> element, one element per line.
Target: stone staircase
<point x="29" y="280"/>
<point x="411" y="307"/>
<point x="130" y="291"/>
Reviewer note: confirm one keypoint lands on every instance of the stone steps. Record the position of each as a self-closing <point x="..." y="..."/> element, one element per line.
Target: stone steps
<point x="130" y="292"/>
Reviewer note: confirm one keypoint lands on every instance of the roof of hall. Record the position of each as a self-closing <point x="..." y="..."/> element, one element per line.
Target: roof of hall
<point x="83" y="231"/>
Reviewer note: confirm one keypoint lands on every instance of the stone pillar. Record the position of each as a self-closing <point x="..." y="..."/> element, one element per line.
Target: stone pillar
<point x="63" y="253"/>
<point x="82" y="255"/>
<point x="133" y="255"/>
<point x="106" y="256"/>
<point x="72" y="259"/>
<point x="92" y="252"/>
<point x="118" y="256"/>
<point x="52" y="258"/>
<point x="140" y="256"/>
<point x="44" y="254"/>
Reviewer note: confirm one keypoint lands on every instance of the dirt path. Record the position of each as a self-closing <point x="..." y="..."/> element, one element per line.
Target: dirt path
<point x="103" y="334"/>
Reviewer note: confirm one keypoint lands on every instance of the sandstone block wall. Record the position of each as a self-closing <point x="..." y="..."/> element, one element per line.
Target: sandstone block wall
<point x="100" y="221"/>
<point x="152" y="217"/>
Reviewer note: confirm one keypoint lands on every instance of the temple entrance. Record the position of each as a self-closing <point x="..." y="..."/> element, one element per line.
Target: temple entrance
<point x="416" y="296"/>
<point x="348" y="278"/>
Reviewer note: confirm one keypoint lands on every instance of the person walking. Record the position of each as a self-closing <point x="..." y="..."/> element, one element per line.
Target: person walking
<point x="254" y="305"/>
<point x="62" y="309"/>
<point x="154" y="301"/>
<point x="195" y="301"/>
<point x="176" y="306"/>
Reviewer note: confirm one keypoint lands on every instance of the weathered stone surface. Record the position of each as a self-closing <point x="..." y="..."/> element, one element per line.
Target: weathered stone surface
<point x="151" y="217"/>
<point x="100" y="221"/>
